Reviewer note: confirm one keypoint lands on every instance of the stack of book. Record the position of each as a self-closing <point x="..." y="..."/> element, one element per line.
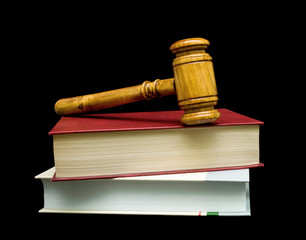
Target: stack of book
<point x="149" y="163"/>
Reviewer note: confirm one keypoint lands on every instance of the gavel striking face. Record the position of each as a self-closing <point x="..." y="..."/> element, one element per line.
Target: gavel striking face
<point x="193" y="82"/>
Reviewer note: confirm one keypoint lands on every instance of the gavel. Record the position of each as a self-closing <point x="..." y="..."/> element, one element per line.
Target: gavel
<point x="194" y="83"/>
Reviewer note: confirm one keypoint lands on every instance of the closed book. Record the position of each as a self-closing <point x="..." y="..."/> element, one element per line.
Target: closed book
<point x="219" y="193"/>
<point x="148" y="143"/>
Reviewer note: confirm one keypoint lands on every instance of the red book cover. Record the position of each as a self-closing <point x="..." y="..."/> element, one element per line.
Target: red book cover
<point x="108" y="122"/>
<point x="90" y="123"/>
<point x="57" y="179"/>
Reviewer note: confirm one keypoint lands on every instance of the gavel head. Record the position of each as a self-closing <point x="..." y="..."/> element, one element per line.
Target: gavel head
<point x="195" y="81"/>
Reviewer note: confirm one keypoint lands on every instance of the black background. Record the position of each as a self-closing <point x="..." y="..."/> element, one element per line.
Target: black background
<point x="76" y="51"/>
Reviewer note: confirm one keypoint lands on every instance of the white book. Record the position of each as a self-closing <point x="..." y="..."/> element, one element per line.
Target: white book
<point x="223" y="193"/>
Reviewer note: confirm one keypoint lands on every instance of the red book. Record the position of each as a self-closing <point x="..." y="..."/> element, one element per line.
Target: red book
<point x="148" y="143"/>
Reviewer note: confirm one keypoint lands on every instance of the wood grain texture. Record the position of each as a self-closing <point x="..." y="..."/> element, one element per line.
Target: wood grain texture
<point x="195" y="81"/>
<point x="103" y="100"/>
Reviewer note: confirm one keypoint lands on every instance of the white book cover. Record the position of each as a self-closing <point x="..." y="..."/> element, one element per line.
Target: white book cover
<point x="223" y="193"/>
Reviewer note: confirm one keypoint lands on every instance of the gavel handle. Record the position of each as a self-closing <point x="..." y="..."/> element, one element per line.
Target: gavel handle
<point x="103" y="100"/>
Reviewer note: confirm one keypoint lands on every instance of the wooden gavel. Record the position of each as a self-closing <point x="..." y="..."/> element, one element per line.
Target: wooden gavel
<point x="194" y="82"/>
